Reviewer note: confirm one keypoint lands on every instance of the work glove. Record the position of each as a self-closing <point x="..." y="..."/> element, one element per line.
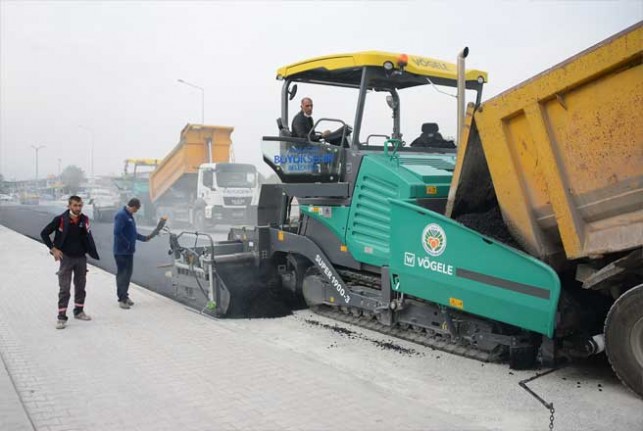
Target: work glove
<point x="158" y="228"/>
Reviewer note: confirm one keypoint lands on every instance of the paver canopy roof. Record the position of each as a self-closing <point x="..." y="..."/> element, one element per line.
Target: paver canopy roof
<point x="346" y="70"/>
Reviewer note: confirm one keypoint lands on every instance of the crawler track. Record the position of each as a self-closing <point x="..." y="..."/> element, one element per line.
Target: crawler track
<point x="416" y="335"/>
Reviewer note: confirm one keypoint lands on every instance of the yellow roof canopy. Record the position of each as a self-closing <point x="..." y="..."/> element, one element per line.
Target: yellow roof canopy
<point x="345" y="70"/>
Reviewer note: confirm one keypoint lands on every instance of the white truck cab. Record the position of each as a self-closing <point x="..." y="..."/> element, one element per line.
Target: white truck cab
<point x="227" y="193"/>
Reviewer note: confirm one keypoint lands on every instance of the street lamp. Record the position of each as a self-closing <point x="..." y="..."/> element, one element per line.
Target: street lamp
<point x="38" y="148"/>
<point x="202" y="97"/>
<point x="91" y="151"/>
<point x="59" y="181"/>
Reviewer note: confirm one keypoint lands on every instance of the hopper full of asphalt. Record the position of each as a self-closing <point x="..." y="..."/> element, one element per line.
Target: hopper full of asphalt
<point x="253" y="294"/>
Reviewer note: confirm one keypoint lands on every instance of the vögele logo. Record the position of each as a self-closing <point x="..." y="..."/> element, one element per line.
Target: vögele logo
<point x="434" y="240"/>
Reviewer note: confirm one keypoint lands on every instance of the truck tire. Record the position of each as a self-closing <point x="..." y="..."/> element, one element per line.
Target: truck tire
<point x="624" y="338"/>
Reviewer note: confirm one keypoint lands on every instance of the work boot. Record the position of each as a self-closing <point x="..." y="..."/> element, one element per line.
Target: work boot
<point x="124" y="305"/>
<point x="129" y="302"/>
<point x="82" y="316"/>
<point x="60" y="324"/>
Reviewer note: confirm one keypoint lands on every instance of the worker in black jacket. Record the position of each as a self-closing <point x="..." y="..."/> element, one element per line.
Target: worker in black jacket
<point x="72" y="242"/>
<point x="303" y="122"/>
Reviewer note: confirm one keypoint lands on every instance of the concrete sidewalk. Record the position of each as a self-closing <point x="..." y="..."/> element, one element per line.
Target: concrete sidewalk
<point x="12" y="412"/>
<point x="160" y="366"/>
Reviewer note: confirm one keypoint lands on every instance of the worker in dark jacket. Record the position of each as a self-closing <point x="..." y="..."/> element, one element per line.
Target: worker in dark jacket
<point x="72" y="242"/>
<point x="125" y="237"/>
<point x="303" y="122"/>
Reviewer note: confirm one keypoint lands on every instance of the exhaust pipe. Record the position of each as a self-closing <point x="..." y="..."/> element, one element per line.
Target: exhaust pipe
<point x="208" y="143"/>
<point x="582" y="346"/>
<point x="461" y="87"/>
<point x="595" y="344"/>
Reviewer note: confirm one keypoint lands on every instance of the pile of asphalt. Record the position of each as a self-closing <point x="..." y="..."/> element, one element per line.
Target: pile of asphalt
<point x="246" y="304"/>
<point x="267" y="303"/>
<point x="489" y="223"/>
<point x="252" y="296"/>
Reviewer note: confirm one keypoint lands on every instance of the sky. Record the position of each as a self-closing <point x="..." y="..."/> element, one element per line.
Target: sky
<point x="92" y="80"/>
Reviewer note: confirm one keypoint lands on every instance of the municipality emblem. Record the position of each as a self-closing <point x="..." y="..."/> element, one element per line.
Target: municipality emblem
<point x="434" y="240"/>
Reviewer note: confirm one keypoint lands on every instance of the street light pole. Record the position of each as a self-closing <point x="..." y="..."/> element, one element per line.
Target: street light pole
<point x="38" y="148"/>
<point x="59" y="181"/>
<point x="91" y="152"/>
<point x="202" y="97"/>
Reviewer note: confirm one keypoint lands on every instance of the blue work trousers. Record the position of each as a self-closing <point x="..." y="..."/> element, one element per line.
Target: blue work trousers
<point x="124" y="268"/>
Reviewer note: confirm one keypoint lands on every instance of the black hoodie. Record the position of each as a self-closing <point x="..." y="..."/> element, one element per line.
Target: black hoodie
<point x="60" y="225"/>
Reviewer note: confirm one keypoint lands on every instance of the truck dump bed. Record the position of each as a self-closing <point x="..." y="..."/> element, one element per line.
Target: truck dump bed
<point x="561" y="154"/>
<point x="192" y="150"/>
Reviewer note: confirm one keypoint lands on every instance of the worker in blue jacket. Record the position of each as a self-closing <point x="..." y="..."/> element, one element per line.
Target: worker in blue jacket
<point x="125" y="237"/>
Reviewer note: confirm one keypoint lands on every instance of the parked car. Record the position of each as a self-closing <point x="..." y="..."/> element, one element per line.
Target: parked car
<point x="104" y="204"/>
<point x="5" y="198"/>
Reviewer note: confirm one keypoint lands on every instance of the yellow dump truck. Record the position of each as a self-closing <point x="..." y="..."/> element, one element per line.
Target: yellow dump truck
<point x="196" y="183"/>
<point x="555" y="165"/>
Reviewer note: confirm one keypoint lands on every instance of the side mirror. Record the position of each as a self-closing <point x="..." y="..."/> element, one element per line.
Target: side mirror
<point x="391" y="103"/>
<point x="292" y="92"/>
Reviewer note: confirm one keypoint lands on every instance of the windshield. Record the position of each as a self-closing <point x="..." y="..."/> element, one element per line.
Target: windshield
<point x="428" y="117"/>
<point x="428" y="112"/>
<point x="331" y="106"/>
<point x="236" y="175"/>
